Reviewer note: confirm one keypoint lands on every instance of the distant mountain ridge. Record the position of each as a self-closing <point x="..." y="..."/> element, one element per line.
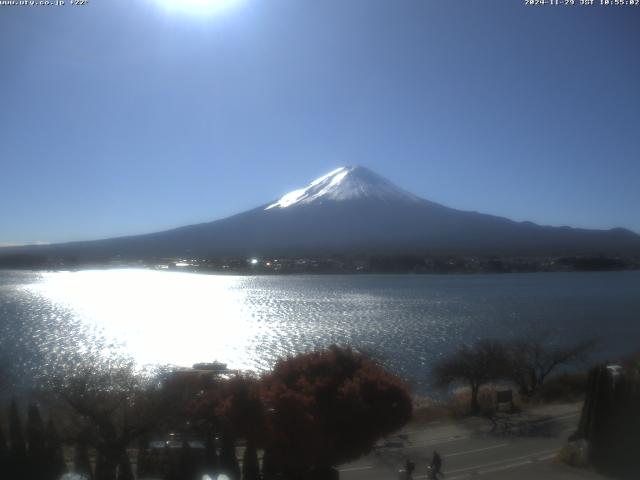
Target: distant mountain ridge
<point x="352" y="210"/>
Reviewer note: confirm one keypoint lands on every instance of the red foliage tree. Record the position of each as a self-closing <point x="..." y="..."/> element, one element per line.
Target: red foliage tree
<point x="241" y="409"/>
<point x="329" y="407"/>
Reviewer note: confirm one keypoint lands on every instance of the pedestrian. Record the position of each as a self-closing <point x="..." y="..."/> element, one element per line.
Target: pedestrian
<point x="436" y="465"/>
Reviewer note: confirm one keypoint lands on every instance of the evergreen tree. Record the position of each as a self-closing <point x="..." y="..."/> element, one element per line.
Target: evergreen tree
<point x="103" y="468"/>
<point x="124" y="468"/>
<point x="187" y="466"/>
<point x="54" y="453"/>
<point x="228" y="460"/>
<point x="37" y="455"/>
<point x="107" y="461"/>
<point x="143" y="461"/>
<point x="211" y="455"/>
<point x="250" y="466"/>
<point x="269" y="468"/>
<point x="17" y="448"/>
<point x="81" y="463"/>
<point x="172" y="467"/>
<point x="4" y="452"/>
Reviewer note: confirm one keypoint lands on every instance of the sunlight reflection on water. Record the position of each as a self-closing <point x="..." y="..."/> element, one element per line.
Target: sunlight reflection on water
<point x="158" y="317"/>
<point x="406" y="321"/>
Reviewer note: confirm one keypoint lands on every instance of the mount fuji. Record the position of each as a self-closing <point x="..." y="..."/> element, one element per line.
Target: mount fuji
<point x="352" y="210"/>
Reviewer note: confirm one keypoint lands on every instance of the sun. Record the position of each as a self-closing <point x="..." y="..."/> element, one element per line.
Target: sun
<point x="196" y="7"/>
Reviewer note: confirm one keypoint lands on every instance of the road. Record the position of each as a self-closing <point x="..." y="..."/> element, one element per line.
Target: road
<point x="522" y="446"/>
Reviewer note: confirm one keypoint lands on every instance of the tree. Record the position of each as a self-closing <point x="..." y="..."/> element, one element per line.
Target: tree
<point x="228" y="459"/>
<point x="37" y="454"/>
<point x="54" y="454"/>
<point x="483" y="362"/>
<point x="241" y="409"/>
<point x="124" y="468"/>
<point x="187" y="463"/>
<point x="104" y="469"/>
<point x="17" y="448"/>
<point x="190" y="399"/>
<point x="142" y="461"/>
<point x="269" y="467"/>
<point x="4" y="453"/>
<point x="81" y="463"/>
<point x="210" y="454"/>
<point x="532" y="359"/>
<point x="242" y="412"/>
<point x="329" y="407"/>
<point x="113" y="405"/>
<point x="250" y="465"/>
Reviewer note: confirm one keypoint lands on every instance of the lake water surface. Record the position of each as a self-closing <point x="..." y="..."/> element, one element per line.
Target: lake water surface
<point x="407" y="321"/>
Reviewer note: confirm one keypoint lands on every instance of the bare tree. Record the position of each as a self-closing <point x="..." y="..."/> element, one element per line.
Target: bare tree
<point x="112" y="405"/>
<point x="484" y="361"/>
<point x="533" y="359"/>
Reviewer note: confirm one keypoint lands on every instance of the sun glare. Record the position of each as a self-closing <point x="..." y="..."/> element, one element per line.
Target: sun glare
<point x="159" y="317"/>
<point x="196" y="7"/>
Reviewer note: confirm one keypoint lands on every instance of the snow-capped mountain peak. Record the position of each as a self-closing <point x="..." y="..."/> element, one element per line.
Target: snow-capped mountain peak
<point x="345" y="183"/>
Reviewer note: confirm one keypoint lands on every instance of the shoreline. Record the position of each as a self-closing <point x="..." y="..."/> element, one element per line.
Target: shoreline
<point x="318" y="272"/>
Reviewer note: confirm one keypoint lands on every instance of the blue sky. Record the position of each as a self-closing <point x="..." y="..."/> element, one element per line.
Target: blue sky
<point x="124" y="117"/>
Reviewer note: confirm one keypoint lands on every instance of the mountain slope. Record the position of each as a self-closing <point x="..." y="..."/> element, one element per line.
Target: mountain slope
<point x="354" y="210"/>
<point x="345" y="183"/>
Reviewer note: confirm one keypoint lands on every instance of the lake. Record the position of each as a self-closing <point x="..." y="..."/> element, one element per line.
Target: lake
<point x="406" y="321"/>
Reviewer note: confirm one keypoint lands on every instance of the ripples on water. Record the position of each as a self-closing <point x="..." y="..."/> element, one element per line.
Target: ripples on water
<point x="248" y="322"/>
